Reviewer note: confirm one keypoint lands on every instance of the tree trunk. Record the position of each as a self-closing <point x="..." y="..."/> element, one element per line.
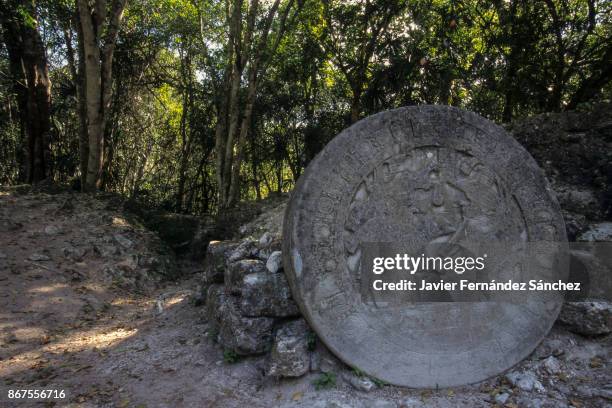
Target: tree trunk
<point x="98" y="51"/>
<point x="77" y="68"/>
<point x="30" y="75"/>
<point x="233" y="114"/>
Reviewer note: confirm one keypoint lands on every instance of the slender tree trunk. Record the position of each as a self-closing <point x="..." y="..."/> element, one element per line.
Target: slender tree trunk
<point x="98" y="30"/>
<point x="76" y="70"/>
<point x="233" y="114"/>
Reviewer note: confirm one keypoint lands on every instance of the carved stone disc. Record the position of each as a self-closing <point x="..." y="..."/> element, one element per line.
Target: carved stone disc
<point x="417" y="173"/>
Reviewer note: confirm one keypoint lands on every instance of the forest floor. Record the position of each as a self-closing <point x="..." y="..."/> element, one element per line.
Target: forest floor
<point x="81" y="309"/>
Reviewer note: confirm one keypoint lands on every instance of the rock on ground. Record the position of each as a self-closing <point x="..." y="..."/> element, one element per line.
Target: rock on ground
<point x="290" y="356"/>
<point x="236" y="271"/>
<point x="244" y="335"/>
<point x="601" y="232"/>
<point x="587" y="318"/>
<point x="266" y="294"/>
<point x="216" y="260"/>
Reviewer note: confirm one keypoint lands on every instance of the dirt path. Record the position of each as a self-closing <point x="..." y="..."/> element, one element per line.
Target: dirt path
<point x="81" y="310"/>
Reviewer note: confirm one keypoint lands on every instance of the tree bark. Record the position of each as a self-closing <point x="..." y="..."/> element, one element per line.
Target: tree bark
<point x="77" y="68"/>
<point x="31" y="84"/>
<point x="98" y="52"/>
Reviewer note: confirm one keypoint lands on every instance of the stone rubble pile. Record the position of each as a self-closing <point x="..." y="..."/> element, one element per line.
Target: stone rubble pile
<point x="85" y="236"/>
<point x="249" y="305"/>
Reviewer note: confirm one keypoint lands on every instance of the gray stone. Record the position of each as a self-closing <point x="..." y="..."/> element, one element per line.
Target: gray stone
<point x="502" y="398"/>
<point x="123" y="241"/>
<point x="273" y="246"/>
<point x="128" y="264"/>
<point x="244" y="335"/>
<point x="587" y="318"/>
<point x="583" y="391"/>
<point x="74" y="253"/>
<point x="215" y="302"/>
<point x="526" y="381"/>
<point x="590" y="267"/>
<point x="52" y="230"/>
<point x="275" y="261"/>
<point x="247" y="249"/>
<point x="529" y="402"/>
<point x="266" y="294"/>
<point x="265" y="240"/>
<point x="106" y="250"/>
<point x="290" y="356"/>
<point x="359" y="382"/>
<point x="598" y="233"/>
<point x="38" y="257"/>
<point x="578" y="200"/>
<point x="411" y="402"/>
<point x="216" y="259"/>
<point x="417" y="174"/>
<point x="551" y="365"/>
<point x="236" y="271"/>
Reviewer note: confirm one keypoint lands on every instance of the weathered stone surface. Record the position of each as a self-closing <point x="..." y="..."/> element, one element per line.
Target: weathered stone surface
<point x="551" y="365"/>
<point x="38" y="257"/>
<point x="526" y="381"/>
<point x="265" y="240"/>
<point x="266" y="294"/>
<point x="587" y="318"/>
<point x="215" y="261"/>
<point x="359" y="382"/>
<point x="124" y="241"/>
<point x="74" y="253"/>
<point x="423" y="174"/>
<point x="502" y="398"/>
<point x="247" y="249"/>
<point x="289" y="356"/>
<point x="275" y="262"/>
<point x="236" y="271"/>
<point x="601" y="232"/>
<point x="573" y="149"/>
<point x="590" y="267"/>
<point x="244" y="335"/>
<point x="215" y="303"/>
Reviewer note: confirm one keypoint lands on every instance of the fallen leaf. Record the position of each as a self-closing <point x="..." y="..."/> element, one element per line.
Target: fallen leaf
<point x="596" y="362"/>
<point x="297" y="396"/>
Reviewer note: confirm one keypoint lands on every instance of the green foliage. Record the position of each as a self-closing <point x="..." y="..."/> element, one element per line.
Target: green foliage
<point x="358" y="372"/>
<point x="325" y="381"/>
<point x="379" y="383"/>
<point x="338" y="60"/>
<point x="230" y="356"/>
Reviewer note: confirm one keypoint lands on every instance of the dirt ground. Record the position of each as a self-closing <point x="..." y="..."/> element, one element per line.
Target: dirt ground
<point x="109" y="340"/>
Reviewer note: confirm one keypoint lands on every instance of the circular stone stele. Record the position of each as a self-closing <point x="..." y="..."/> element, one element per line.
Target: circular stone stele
<point x="417" y="173"/>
